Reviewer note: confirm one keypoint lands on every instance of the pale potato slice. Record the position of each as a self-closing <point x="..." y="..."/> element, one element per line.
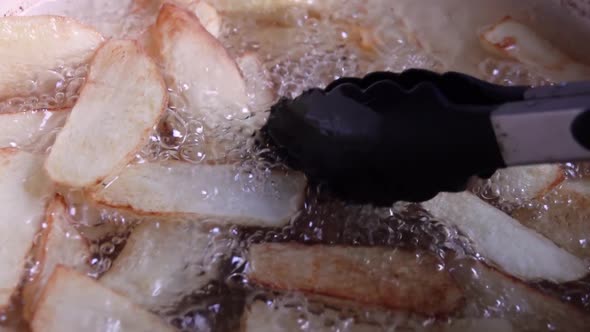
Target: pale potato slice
<point x="260" y="317"/>
<point x="517" y="185"/>
<point x="517" y="41"/>
<point x="199" y="67"/>
<point x="562" y="216"/>
<point x="74" y="302"/>
<point x="23" y="192"/>
<point x="259" y="85"/>
<point x="448" y="29"/>
<point x="205" y="191"/>
<point x="493" y="294"/>
<point x="120" y="104"/>
<point x="207" y="14"/>
<point x="30" y="46"/>
<point x="271" y="6"/>
<point x="24" y="129"/>
<point x="163" y="261"/>
<point x="475" y="325"/>
<point x="59" y="244"/>
<point x="381" y="277"/>
<point x="516" y="249"/>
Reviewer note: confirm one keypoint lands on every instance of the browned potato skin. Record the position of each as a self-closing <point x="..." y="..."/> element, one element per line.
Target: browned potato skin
<point x="383" y="277"/>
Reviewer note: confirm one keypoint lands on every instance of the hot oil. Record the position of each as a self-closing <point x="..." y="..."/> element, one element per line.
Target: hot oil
<point x="300" y="49"/>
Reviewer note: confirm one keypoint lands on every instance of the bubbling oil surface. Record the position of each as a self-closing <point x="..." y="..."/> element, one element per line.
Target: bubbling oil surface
<point x="306" y="50"/>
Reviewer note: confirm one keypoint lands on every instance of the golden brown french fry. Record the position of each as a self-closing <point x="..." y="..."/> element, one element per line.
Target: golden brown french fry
<point x="562" y="216"/>
<point x="381" y="277"/>
<point x="32" y="45"/>
<point x="181" y="189"/>
<point x="120" y="104"/>
<point x="74" y="302"/>
<point x="59" y="244"/>
<point x="24" y="190"/>
<point x="163" y="261"/>
<point x="516" y="249"/>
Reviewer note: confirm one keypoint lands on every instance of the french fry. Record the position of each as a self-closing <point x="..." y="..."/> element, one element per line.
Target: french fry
<point x="517" y="185"/>
<point x="74" y="302"/>
<point x="59" y="244"/>
<point x="120" y="104"/>
<point x="32" y="45"/>
<point x="23" y="129"/>
<point x="271" y="6"/>
<point x="259" y="85"/>
<point x="514" y="40"/>
<point x="163" y="261"/>
<point x="501" y="239"/>
<point x="23" y="192"/>
<point x="563" y="216"/>
<point x="380" y="277"/>
<point x="213" y="86"/>
<point x="213" y="83"/>
<point x="448" y="30"/>
<point x="205" y="191"/>
<point x="207" y="14"/>
<point x="493" y="293"/>
<point x="260" y="317"/>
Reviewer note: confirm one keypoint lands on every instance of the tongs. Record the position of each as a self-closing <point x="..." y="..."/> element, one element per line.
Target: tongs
<point x="408" y="136"/>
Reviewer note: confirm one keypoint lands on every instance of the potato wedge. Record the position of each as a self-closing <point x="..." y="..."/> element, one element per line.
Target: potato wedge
<point x="260" y="317"/>
<point x="514" y="40"/>
<point x="207" y="14"/>
<point x="24" y="190"/>
<point x="59" y="244"/>
<point x="32" y="45"/>
<point x="74" y="302"/>
<point x="259" y="85"/>
<point x="515" y="248"/>
<point x="163" y="261"/>
<point x="563" y="216"/>
<point x="449" y="29"/>
<point x="213" y="86"/>
<point x="495" y="294"/>
<point x="24" y="129"/>
<point x="517" y="185"/>
<point x="381" y="277"/>
<point x="120" y="104"/>
<point x="271" y="6"/>
<point x="205" y="191"/>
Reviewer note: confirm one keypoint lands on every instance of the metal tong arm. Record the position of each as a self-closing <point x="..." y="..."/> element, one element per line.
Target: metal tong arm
<point x="552" y="124"/>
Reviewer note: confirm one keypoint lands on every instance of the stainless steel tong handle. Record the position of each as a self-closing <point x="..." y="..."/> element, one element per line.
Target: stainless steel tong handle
<point x="552" y="124"/>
